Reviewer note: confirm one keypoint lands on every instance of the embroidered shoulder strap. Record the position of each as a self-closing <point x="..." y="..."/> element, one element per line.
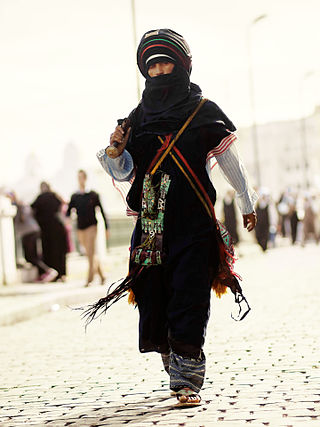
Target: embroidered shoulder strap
<point x="175" y="139"/>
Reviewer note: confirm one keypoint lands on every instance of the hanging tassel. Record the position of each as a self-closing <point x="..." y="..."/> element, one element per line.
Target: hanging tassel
<point x="219" y="288"/>
<point x="131" y="297"/>
<point x="94" y="311"/>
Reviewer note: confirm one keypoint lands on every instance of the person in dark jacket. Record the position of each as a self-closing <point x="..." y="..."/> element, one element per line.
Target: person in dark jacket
<point x="262" y="229"/>
<point x="28" y="231"/>
<point x="85" y="203"/>
<point x="47" y="211"/>
<point x="230" y="217"/>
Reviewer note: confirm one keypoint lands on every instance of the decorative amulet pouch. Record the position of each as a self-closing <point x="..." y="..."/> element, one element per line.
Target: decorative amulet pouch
<point x="150" y="251"/>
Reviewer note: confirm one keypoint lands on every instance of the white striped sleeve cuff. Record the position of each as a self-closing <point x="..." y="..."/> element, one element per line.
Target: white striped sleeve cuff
<point x="121" y="168"/>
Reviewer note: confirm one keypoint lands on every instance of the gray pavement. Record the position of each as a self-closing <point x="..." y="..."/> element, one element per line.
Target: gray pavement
<point x="262" y="371"/>
<point x="24" y="301"/>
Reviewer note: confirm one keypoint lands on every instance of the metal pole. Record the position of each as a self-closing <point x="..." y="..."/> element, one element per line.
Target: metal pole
<point x="254" y="129"/>
<point x="134" y="29"/>
<point x="304" y="151"/>
<point x="3" y="265"/>
<point x="303" y="130"/>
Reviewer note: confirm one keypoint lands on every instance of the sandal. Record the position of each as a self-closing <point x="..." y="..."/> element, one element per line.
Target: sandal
<point x="187" y="397"/>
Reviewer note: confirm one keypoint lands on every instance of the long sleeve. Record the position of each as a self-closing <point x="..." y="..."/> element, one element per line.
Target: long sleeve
<point x="70" y="206"/>
<point x="98" y="203"/>
<point x="120" y="168"/>
<point x="234" y="172"/>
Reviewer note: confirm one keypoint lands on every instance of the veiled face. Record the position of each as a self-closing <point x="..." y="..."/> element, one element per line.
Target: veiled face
<point x="160" y="68"/>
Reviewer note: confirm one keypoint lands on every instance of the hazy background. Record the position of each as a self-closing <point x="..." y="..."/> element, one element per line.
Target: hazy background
<point x="68" y="72"/>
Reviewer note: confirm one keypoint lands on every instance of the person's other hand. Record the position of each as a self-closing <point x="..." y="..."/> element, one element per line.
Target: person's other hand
<point x="249" y="221"/>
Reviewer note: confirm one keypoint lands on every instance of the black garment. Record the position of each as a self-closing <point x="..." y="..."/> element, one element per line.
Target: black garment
<point x="174" y="299"/>
<point x="168" y="100"/>
<point x="53" y="233"/>
<point x="178" y="301"/>
<point x="230" y="220"/>
<point x="85" y="205"/>
<point x="262" y="227"/>
<point x="31" y="254"/>
<point x="186" y="215"/>
<point x="294" y="225"/>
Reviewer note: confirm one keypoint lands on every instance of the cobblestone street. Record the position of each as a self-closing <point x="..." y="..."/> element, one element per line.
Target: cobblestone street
<point x="264" y="370"/>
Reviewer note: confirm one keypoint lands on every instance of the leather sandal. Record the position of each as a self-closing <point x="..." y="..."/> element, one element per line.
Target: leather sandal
<point x="187" y="397"/>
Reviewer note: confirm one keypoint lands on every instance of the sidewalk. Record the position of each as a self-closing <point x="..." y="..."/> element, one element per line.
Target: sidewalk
<point x="24" y="301"/>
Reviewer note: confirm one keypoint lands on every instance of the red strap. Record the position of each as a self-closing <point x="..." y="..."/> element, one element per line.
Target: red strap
<point x="204" y="193"/>
<point x="160" y="151"/>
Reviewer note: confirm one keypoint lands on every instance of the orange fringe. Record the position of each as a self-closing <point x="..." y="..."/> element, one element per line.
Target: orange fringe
<point x="219" y="289"/>
<point x="131" y="297"/>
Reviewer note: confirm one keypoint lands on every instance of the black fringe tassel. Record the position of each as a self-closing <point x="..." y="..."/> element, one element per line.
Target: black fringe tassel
<point x="94" y="311"/>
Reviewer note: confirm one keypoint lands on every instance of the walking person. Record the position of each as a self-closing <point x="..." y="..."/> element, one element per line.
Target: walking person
<point x="230" y="216"/>
<point x="294" y="220"/>
<point x="178" y="249"/>
<point x="85" y="203"/>
<point x="47" y="211"/>
<point x="262" y="229"/>
<point x="27" y="229"/>
<point x="309" y="220"/>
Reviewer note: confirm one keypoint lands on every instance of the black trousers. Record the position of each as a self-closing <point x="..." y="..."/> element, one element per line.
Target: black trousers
<point x="174" y="299"/>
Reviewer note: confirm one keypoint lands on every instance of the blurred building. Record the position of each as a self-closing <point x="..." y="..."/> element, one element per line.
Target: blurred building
<point x="289" y="153"/>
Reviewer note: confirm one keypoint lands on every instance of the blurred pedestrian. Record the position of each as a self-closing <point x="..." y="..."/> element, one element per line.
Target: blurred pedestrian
<point x="309" y="220"/>
<point x="273" y="222"/>
<point x="47" y="211"/>
<point x="178" y="249"/>
<point x="230" y="217"/>
<point x="85" y="204"/>
<point x="283" y="209"/>
<point x="27" y="229"/>
<point x="263" y="225"/>
<point x="293" y="217"/>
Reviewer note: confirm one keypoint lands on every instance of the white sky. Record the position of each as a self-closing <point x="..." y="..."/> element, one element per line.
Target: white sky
<point x="67" y="67"/>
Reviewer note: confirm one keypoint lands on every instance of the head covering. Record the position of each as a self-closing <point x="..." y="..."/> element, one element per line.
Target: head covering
<point x="168" y="99"/>
<point x="163" y="45"/>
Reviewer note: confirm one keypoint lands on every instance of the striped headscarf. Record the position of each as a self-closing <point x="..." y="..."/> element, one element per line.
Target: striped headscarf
<point x="163" y="45"/>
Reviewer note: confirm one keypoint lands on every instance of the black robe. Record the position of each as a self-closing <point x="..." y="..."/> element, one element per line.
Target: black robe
<point x="174" y="298"/>
<point x="46" y="209"/>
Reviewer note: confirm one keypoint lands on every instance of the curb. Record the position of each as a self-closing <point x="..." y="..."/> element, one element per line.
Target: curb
<point x="45" y="303"/>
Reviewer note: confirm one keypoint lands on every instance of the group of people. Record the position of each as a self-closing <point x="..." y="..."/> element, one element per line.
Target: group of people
<point x="299" y="216"/>
<point x="295" y="216"/>
<point x="43" y="228"/>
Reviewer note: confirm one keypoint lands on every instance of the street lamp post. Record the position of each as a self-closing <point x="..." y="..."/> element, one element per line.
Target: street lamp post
<point x="303" y="130"/>
<point x="134" y="29"/>
<point x="254" y="129"/>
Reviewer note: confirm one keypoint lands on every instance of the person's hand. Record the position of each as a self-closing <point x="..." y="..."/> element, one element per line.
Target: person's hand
<point x="120" y="137"/>
<point x="249" y="221"/>
<point x="107" y="235"/>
